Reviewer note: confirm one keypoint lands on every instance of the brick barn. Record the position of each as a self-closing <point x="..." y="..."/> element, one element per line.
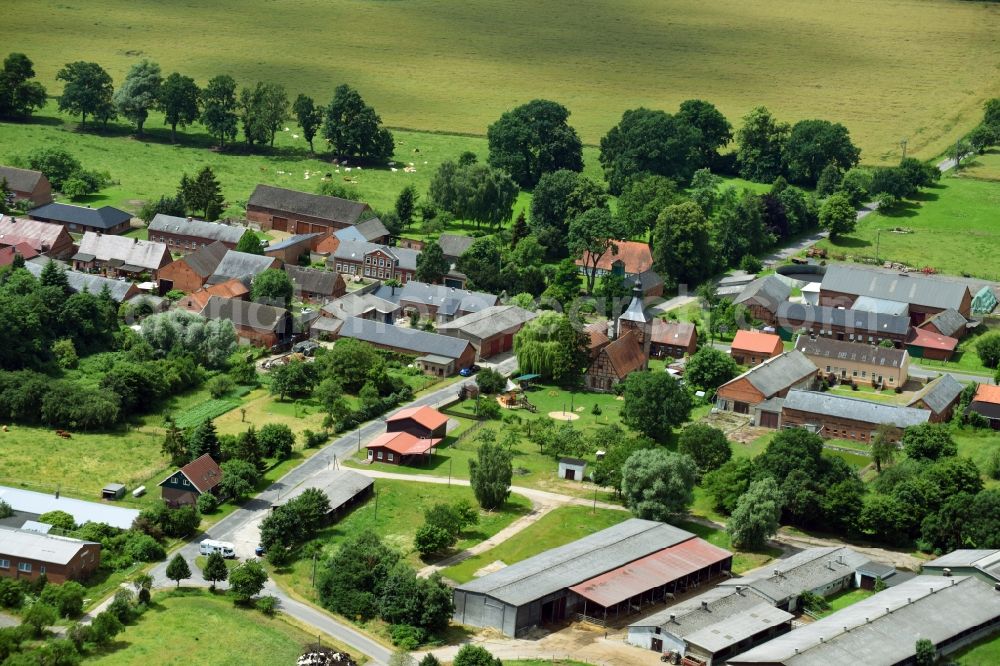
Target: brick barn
<point x="184" y="235"/>
<point x="296" y="212"/>
<point x="191" y="272"/>
<point x="27" y="185"/>
<point x="425" y="422"/>
<point x="773" y="378"/>
<point x="491" y="330"/>
<point x="26" y="555"/>
<point x="753" y="347"/>
<point x="78" y="219"/>
<point x="840" y="417"/>
<point x="51" y="240"/>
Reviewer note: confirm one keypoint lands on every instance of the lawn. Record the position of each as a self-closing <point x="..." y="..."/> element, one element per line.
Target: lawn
<point x="843" y="599"/>
<point x="743" y="561"/>
<point x="983" y="167"/>
<point x="980" y="445"/>
<point x="183" y="623"/>
<point x="261" y="407"/>
<point x="456" y="66"/>
<point x="984" y="653"/>
<point x="557" y="528"/>
<point x="965" y="359"/>
<point x="401" y="506"/>
<point x="952" y="229"/>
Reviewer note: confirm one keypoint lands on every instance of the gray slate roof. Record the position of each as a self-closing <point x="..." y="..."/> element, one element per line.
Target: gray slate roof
<point x="948" y="322"/>
<point x="372" y="229"/>
<point x="340" y="487"/>
<point x="29" y="545"/>
<point x="939" y="394"/>
<point x="206" y="259"/>
<point x="768" y="290"/>
<point x="871" y="631"/>
<point x="20" y="180"/>
<point x="636" y="310"/>
<point x="489" y="321"/>
<point x="290" y="241"/>
<point x="93" y="283"/>
<point x="104" y="217"/>
<point x="334" y="209"/>
<point x="809" y="569"/>
<point x="577" y="561"/>
<point x="854" y="352"/>
<point x="350" y="250"/>
<point x="411" y="339"/>
<point x="244" y="313"/>
<point x="239" y="265"/>
<point x="448" y="300"/>
<point x="852" y="320"/>
<point x="909" y="288"/>
<point x="647" y="279"/>
<point x="777" y="374"/>
<point x="314" y="280"/>
<point x="354" y="305"/>
<point x="28" y="501"/>
<point x="130" y="251"/>
<point x="855" y="409"/>
<point x="454" y="246"/>
<point x="213" y="231"/>
<point x="880" y="305"/>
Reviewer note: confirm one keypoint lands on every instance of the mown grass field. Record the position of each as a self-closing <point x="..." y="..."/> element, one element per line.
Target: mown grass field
<point x="886" y="69"/>
<point x="182" y="625"/>
<point x="983" y="653"/>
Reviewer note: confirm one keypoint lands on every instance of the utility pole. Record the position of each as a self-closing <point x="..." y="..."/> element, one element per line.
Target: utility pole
<point x="878" y="237"/>
<point x="359" y="439"/>
<point x="595" y="501"/>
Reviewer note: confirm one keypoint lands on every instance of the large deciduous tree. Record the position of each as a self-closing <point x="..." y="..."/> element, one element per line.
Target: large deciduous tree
<point x="534" y="139"/>
<point x="643" y="200"/>
<point x="139" y="92"/>
<point x="180" y="101"/>
<point x="591" y="235"/>
<point x="431" y="264"/>
<point x="87" y="91"/>
<point x="707" y="446"/>
<point x="490" y="473"/>
<point x="929" y="441"/>
<point x="682" y="244"/>
<point x="760" y="145"/>
<point x="309" y="117"/>
<point x="739" y="226"/>
<point x="19" y="95"/>
<point x="654" y="403"/>
<point x="559" y="197"/>
<point x="649" y="141"/>
<point x="708" y="368"/>
<point x="263" y="110"/>
<point x="837" y="215"/>
<point x="658" y="484"/>
<point x="178" y="569"/>
<point x="550" y="346"/>
<point x="715" y="130"/>
<point x="474" y="192"/>
<point x="247" y="580"/>
<point x="353" y="129"/>
<point x="755" y="518"/>
<point x="273" y="286"/>
<point x="219" y="108"/>
<point x="812" y="145"/>
<point x="202" y="194"/>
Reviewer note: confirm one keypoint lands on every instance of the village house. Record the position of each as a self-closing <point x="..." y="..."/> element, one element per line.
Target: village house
<point x="754" y="347"/>
<point x="119" y="290"/>
<point x="293" y="249"/>
<point x="361" y="304"/>
<point x="316" y="286"/>
<point x="10" y="252"/>
<point x="120" y="256"/>
<point x="950" y="612"/>
<point x="453" y="246"/>
<point x="27" y="185"/>
<point x="627" y="259"/>
<point x="773" y="378"/>
<point x="52" y="240"/>
<point x="79" y="219"/>
<point x="948" y="323"/>
<point x="440" y="355"/>
<point x="400" y="448"/>
<point x="874" y="365"/>
<point x="184" y="487"/>
<point x="191" y="272"/>
<point x="939" y="397"/>
<point x="601" y="577"/>
<point x="241" y="266"/>
<point x="258" y="324"/>
<point x="491" y="330"/>
<point x="296" y="212"/>
<point x="986" y="403"/>
<point x="926" y="343"/>
<point x="673" y="339"/>
<point x="424" y="422"/>
<point x="709" y="628"/>
<point x="925" y="295"/>
<point x="762" y="297"/>
<point x="184" y="235"/>
<point x="840" y="417"/>
<point x="437" y="302"/>
<point x="376" y="262"/>
<point x="840" y="324"/>
<point x="26" y="555"/>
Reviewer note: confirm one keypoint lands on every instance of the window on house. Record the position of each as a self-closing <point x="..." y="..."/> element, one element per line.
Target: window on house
<point x="368" y="260"/>
<point x="864" y="374"/>
<point x="339" y="268"/>
<point x="41" y="569"/>
<point x="379" y="455"/>
<point x="828" y="368"/>
<point x="368" y="272"/>
<point x="391" y="458"/>
<point x="854" y="373"/>
<point x="892" y="380"/>
<point x="24" y="566"/>
<point x="4" y="564"/>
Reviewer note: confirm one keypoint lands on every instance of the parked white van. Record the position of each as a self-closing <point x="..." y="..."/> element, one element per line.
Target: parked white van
<point x="224" y="548"/>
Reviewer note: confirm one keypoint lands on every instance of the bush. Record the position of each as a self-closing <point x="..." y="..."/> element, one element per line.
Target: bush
<point x="488" y="409"/>
<point x="268" y="605"/>
<point x="207" y="503"/>
<point x="219" y="385"/>
<point x="490" y="381"/>
<point x="751" y="264"/>
<point x="59" y="519"/>
<point x="407" y="636"/>
<point x="5" y="510"/>
<point x="988" y="350"/>
<point x="11" y="593"/>
<point x="67" y="598"/>
<point x="311" y="440"/>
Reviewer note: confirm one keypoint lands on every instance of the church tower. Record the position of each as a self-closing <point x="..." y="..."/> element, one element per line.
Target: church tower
<point x="636" y="319"/>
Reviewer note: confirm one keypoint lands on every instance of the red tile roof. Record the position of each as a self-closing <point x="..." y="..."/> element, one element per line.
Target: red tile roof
<point x="424" y="415"/>
<point x="636" y="257"/>
<point x="228" y="289"/>
<point x="987" y="393"/>
<point x="626" y="354"/>
<point x="757" y="342"/>
<point x="676" y="333"/>
<point x="598" y="334"/>
<point x="203" y="473"/>
<point x="403" y="443"/>
<point x="920" y="337"/>
<point x="7" y="253"/>
<point x="651" y="571"/>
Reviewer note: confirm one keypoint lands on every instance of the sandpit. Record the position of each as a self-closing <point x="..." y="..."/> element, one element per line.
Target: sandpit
<point x="564" y="416"/>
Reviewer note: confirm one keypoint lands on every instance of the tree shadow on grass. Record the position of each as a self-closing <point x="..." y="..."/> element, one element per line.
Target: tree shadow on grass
<point x="34" y="120"/>
<point x="851" y="242"/>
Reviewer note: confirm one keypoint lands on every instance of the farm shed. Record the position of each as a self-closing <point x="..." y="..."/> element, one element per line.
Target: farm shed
<point x="772" y="378"/>
<point x="841" y="417"/>
<point x="984" y="564"/>
<point x="27" y="185"/>
<point x="35" y="504"/>
<point x="608" y="573"/>
<point x="939" y="397"/>
<point x="113" y="491"/>
<point x="762" y="297"/>
<point x="297" y="212"/>
<point x="79" y="219"/>
<point x="926" y="295"/>
<point x="343" y="487"/>
<point x="572" y="469"/>
<point x="491" y="330"/>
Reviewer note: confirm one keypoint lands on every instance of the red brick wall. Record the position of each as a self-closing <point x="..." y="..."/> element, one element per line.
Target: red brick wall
<point x="182" y="276"/>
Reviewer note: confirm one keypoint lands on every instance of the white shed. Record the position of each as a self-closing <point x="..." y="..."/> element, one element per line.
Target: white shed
<point x="572" y="469"/>
<point x="810" y="293"/>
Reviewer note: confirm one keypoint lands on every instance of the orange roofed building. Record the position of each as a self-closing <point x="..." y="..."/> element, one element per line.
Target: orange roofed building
<point x="631" y="258"/>
<point x="423" y="421"/>
<point x="754" y="347"/>
<point x="400" y="448"/>
<point x="986" y="403"/>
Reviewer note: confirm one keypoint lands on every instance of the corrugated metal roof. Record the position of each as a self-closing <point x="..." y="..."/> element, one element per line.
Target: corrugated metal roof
<point x="881" y="305"/>
<point x="410" y="339"/>
<point x="855" y="409"/>
<point x="239" y="264"/>
<point x="909" y="288"/>
<point x="340" y="486"/>
<point x="769" y="290"/>
<point x="27" y="501"/>
<point x="94" y="284"/>
<point x="855" y="352"/>
<point x="584" y="558"/>
<point x="149" y="255"/>
<point x="651" y="571"/>
<point x="939" y="394"/>
<point x="738" y="627"/>
<point x="489" y="321"/>
<point x="448" y="300"/>
<point x="806" y="570"/>
<point x="323" y="207"/>
<point x="883" y="629"/>
<point x="790" y="314"/>
<point x="42" y="547"/>
<point x="41" y="236"/>
<point x="290" y="241"/>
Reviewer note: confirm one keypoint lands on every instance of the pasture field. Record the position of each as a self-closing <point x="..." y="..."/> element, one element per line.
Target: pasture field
<point x="886" y="69"/>
<point x="984" y="653"/>
<point x="185" y="622"/>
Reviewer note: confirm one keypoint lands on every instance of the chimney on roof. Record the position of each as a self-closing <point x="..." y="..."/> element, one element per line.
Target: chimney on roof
<point x="704" y="605"/>
<point x="673" y="618"/>
<point x="190" y="219"/>
<point x="946" y="571"/>
<point x="777" y="573"/>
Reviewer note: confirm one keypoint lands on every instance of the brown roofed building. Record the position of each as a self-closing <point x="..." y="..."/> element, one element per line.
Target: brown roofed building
<point x="423" y="421"/>
<point x="926" y="343"/>
<point x="615" y="361"/>
<point x="27" y="185"/>
<point x="597" y="334"/>
<point x="762" y="297"/>
<point x="627" y="258"/>
<point x="316" y="286"/>
<point x="400" y="448"/>
<point x="281" y="209"/>
<point x="190" y="273"/>
<point x="201" y="475"/>
<point x="673" y="338"/>
<point x="753" y="347"/>
<point x="261" y="325"/>
<point x="9" y="252"/>
<point x="51" y="240"/>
